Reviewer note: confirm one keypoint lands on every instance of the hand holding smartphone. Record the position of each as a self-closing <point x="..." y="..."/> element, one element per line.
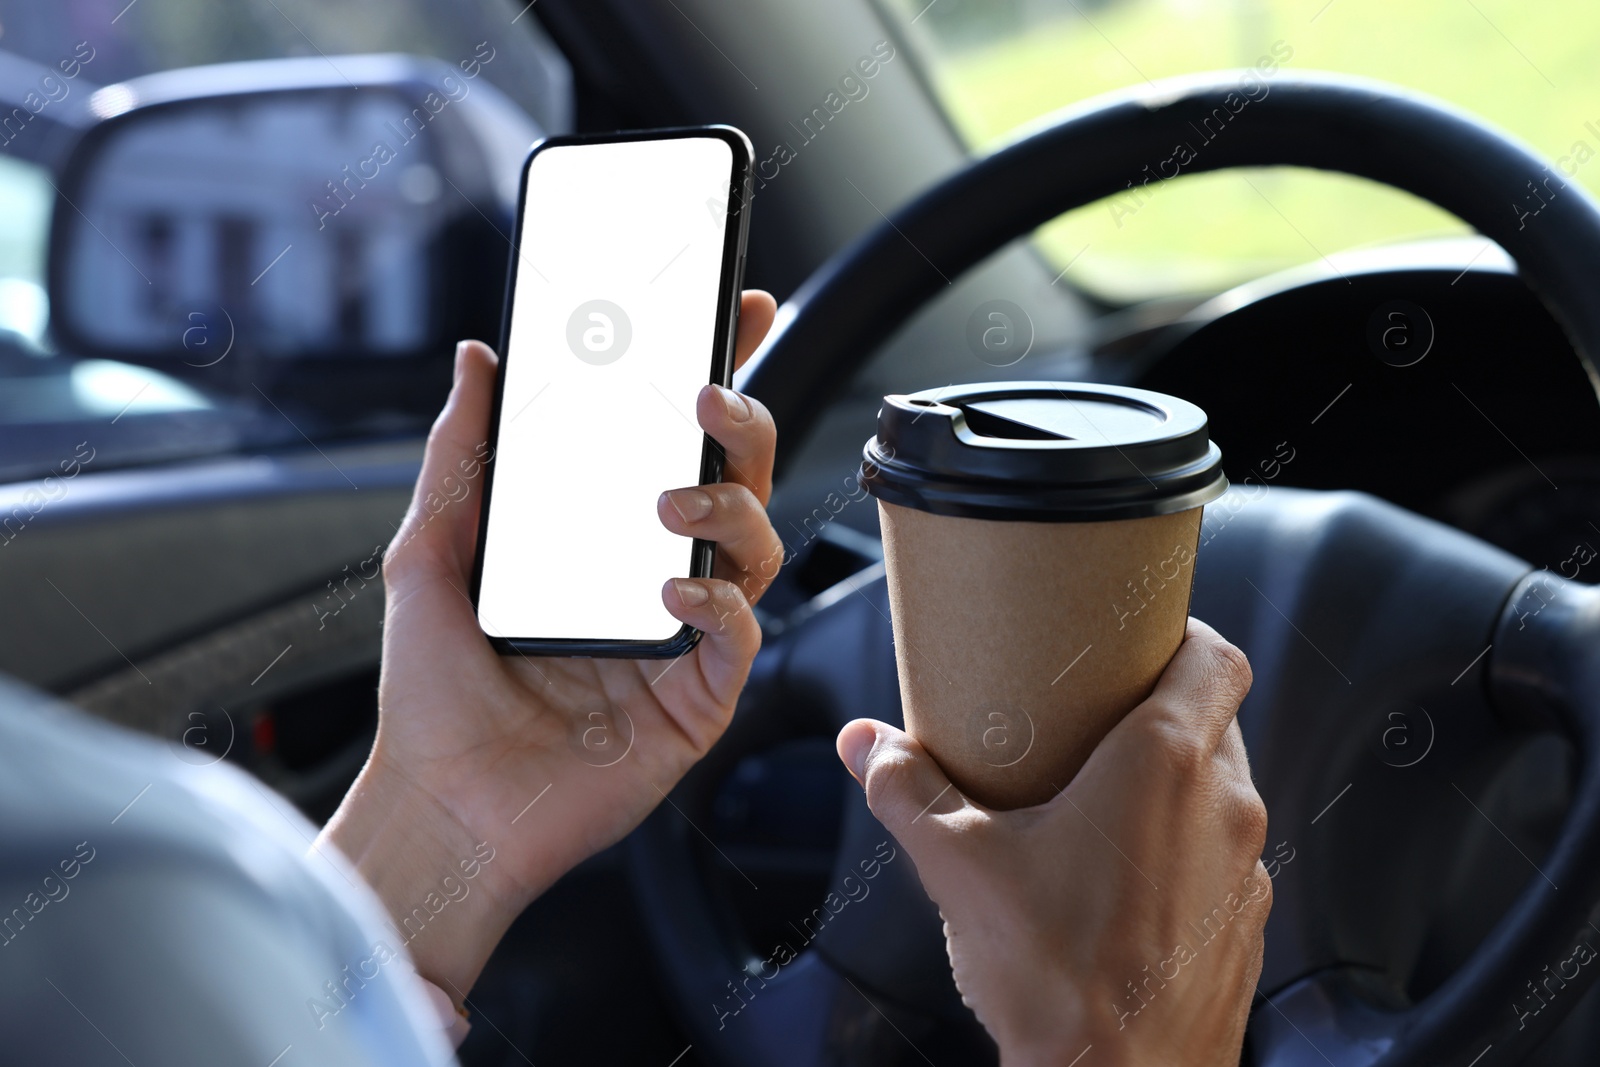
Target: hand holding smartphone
<point x="622" y="302"/>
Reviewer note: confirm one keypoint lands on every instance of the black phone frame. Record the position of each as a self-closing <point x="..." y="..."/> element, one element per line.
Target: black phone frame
<point x="702" y="554"/>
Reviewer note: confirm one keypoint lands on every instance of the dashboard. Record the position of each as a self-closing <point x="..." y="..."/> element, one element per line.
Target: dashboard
<point x="1444" y="387"/>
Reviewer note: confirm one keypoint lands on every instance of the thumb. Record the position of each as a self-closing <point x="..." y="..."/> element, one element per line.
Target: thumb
<point x="439" y="533"/>
<point x="905" y="787"/>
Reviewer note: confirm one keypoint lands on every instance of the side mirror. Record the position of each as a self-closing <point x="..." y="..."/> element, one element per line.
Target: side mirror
<point x="300" y="226"/>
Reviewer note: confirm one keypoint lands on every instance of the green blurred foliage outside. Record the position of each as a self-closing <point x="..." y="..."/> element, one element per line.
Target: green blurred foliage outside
<point x="1527" y="68"/>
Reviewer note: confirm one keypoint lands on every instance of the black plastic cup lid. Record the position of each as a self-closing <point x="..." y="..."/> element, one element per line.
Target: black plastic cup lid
<point x="1043" y="452"/>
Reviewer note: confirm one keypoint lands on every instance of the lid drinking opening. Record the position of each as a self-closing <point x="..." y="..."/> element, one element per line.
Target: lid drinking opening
<point x="988" y="424"/>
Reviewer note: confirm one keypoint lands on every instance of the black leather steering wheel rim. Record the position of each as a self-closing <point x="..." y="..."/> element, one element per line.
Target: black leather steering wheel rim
<point x="864" y="292"/>
<point x="1543" y="672"/>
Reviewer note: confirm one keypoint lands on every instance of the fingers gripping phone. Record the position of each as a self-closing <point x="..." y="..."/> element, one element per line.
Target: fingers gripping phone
<point x="621" y="303"/>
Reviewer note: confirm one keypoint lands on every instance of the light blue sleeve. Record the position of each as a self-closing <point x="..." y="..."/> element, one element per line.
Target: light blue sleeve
<point x="157" y="912"/>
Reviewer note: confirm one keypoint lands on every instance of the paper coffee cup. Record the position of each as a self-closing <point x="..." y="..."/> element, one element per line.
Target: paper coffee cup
<point x="1040" y="540"/>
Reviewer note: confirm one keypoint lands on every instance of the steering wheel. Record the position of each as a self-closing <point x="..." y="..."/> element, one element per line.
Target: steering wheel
<point x="1359" y="611"/>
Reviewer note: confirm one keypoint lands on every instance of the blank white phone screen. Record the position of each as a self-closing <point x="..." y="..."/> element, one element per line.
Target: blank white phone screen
<point x="613" y="322"/>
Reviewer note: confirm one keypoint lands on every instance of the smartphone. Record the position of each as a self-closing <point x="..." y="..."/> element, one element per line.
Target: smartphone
<point x="622" y="302"/>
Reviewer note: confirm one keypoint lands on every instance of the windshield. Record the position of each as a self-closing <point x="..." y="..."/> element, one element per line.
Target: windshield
<point x="57" y="403"/>
<point x="999" y="64"/>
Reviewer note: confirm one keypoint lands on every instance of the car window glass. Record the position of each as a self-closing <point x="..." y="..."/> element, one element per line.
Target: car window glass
<point x="25" y="197"/>
<point x="145" y="36"/>
<point x="56" y="402"/>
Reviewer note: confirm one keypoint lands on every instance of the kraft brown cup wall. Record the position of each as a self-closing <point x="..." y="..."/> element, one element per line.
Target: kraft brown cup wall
<point x="1021" y="644"/>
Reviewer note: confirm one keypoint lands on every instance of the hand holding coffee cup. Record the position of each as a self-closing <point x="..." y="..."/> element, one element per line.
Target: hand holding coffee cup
<point x="1040" y="540"/>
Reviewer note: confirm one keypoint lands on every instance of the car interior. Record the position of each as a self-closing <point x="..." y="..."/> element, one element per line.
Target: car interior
<point x="1358" y="237"/>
